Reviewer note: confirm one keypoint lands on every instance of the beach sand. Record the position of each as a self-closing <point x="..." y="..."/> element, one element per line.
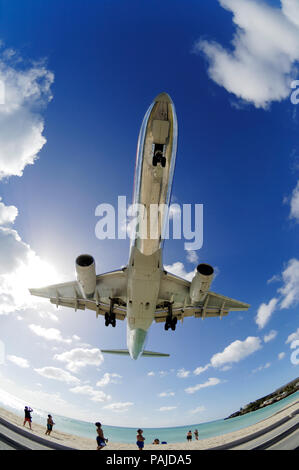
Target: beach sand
<point x="83" y="443"/>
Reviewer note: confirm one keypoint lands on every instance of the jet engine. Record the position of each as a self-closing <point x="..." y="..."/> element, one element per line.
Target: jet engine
<point x="86" y="274"/>
<point x="201" y="283"/>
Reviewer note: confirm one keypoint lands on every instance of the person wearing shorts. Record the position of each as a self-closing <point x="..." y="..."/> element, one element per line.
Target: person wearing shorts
<point x="50" y="424"/>
<point x="189" y="436"/>
<point x="28" y="418"/>
<point x="101" y="441"/>
<point x="140" y="439"/>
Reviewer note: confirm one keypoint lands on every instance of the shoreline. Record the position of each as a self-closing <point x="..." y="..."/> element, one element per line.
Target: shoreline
<point x="84" y="443"/>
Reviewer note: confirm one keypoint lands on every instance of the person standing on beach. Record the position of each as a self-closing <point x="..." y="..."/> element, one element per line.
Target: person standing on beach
<point x="196" y="434"/>
<point x="50" y="424"/>
<point x="140" y="439"/>
<point x="28" y="418"/>
<point x="101" y="440"/>
<point x="189" y="436"/>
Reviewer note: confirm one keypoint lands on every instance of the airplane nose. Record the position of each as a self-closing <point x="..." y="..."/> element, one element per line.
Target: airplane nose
<point x="163" y="97"/>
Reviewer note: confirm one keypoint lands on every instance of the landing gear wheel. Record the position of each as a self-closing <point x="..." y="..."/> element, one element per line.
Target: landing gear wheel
<point x="173" y="323"/>
<point x="159" y="158"/>
<point x="110" y="319"/>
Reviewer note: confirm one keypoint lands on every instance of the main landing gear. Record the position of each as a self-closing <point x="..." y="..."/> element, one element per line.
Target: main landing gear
<point x="171" y="321"/>
<point x="110" y="318"/>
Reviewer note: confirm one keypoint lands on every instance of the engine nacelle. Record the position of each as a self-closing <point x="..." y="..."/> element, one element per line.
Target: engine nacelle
<point x="86" y="274"/>
<point x="201" y="283"/>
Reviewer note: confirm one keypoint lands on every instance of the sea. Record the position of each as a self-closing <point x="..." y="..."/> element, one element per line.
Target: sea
<point x="164" y="434"/>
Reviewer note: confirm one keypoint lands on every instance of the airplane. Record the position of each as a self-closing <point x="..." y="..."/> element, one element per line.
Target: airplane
<point x="143" y="291"/>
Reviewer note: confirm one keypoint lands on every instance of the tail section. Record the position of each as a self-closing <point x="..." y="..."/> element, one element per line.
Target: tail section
<point x="125" y="352"/>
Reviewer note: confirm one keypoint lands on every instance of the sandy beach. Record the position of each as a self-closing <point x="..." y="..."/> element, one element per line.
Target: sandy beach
<point x="83" y="443"/>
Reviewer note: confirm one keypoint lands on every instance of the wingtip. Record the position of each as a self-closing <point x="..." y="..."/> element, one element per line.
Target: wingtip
<point x="33" y="291"/>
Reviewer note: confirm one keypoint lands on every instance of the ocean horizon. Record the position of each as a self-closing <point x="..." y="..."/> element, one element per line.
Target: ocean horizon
<point x="170" y="435"/>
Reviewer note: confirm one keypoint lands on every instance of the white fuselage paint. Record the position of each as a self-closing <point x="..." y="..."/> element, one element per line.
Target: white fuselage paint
<point x="152" y="185"/>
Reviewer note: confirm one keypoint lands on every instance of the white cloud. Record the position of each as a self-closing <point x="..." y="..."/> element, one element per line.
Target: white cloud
<point x="183" y="374"/>
<point x="94" y="395"/>
<point x="38" y="398"/>
<point x="293" y="337"/>
<point x="200" y="370"/>
<point x="80" y="357"/>
<point x="20" y="268"/>
<point x="281" y="355"/>
<point x="163" y="373"/>
<point x="225" y="368"/>
<point x="8" y="214"/>
<point x="179" y="270"/>
<point x="290" y="289"/>
<point x="265" y="312"/>
<point x="262" y="62"/>
<point x="166" y="394"/>
<point x="13" y="252"/>
<point x="294" y="214"/>
<point x="151" y="373"/>
<point x="236" y="351"/>
<point x="290" y="9"/>
<point x="119" y="407"/>
<point x="57" y="374"/>
<point x="18" y="361"/>
<point x="50" y="334"/>
<point x="265" y="366"/>
<point x="289" y="294"/>
<point x="211" y="382"/>
<point x="109" y="378"/>
<point x="49" y="316"/>
<point x="192" y="257"/>
<point x="167" y="408"/>
<point x="274" y="278"/>
<point x="197" y="410"/>
<point x="270" y="336"/>
<point x="27" y="91"/>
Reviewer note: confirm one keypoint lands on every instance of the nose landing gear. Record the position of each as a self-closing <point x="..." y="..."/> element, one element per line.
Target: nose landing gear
<point x="158" y="155"/>
<point x="159" y="158"/>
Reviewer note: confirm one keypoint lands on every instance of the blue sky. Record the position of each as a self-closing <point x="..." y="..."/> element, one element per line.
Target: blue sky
<point x="78" y="82"/>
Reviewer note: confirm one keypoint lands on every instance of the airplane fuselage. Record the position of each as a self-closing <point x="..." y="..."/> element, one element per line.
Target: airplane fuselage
<point x="143" y="291"/>
<point x="155" y="162"/>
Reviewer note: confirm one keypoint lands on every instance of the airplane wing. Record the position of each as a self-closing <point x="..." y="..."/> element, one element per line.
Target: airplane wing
<point x="108" y="285"/>
<point x="176" y="290"/>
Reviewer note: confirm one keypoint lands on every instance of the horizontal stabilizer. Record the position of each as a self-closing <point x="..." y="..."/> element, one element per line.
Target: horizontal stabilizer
<point x="153" y="354"/>
<point x="125" y="352"/>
